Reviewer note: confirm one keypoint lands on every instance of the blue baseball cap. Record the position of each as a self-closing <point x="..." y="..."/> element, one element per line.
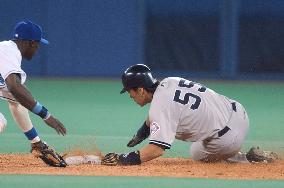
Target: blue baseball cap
<point x="27" y="30"/>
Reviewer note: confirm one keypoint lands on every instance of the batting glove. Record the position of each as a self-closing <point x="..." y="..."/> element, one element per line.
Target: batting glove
<point x="141" y="135"/>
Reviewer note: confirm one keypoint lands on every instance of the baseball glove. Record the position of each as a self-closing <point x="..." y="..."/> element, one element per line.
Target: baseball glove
<point x="47" y="155"/>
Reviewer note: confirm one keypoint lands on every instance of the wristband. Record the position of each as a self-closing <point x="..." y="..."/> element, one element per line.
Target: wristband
<point x="132" y="158"/>
<point x="41" y="111"/>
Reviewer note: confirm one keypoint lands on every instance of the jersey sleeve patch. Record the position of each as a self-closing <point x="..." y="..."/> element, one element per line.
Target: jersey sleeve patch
<point x="159" y="143"/>
<point x="154" y="128"/>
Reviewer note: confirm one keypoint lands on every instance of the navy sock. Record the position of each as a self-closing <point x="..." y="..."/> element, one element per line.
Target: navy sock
<point x="31" y="134"/>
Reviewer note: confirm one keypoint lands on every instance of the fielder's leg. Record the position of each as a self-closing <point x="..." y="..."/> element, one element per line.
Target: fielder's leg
<point x="22" y="118"/>
<point x="39" y="149"/>
<point x="3" y="123"/>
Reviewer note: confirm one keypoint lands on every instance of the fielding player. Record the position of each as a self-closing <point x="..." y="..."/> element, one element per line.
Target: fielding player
<point x="25" y="42"/>
<point x="187" y="111"/>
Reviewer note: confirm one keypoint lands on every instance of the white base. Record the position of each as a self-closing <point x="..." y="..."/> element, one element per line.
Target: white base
<point x="86" y="159"/>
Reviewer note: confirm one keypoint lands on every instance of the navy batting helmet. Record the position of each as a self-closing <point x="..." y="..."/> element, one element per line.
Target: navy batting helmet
<point x="138" y="75"/>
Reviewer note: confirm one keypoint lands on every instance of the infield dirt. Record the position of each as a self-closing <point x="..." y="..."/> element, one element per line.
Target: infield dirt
<point x="163" y="167"/>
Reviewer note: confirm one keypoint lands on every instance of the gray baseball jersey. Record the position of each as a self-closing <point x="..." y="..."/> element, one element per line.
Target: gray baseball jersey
<point x="188" y="111"/>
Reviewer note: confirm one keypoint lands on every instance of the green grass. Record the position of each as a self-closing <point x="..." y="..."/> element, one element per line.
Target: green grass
<point x="27" y="181"/>
<point x="94" y="112"/>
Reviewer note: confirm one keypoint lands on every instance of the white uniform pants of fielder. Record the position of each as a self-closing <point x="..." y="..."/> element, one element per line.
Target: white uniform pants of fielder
<point x="3" y="123"/>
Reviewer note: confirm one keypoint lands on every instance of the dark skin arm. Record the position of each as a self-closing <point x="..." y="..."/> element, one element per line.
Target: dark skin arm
<point x="19" y="91"/>
<point x="25" y="98"/>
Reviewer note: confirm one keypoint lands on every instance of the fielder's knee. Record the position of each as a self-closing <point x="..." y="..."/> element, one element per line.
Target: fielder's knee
<point x="3" y="122"/>
<point x="13" y="106"/>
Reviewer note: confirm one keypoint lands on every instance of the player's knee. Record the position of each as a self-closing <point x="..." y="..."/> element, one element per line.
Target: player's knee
<point x="17" y="108"/>
<point x="193" y="155"/>
<point x="3" y="122"/>
<point x="196" y="151"/>
<point x="196" y="156"/>
<point x="3" y="119"/>
<point x="13" y="106"/>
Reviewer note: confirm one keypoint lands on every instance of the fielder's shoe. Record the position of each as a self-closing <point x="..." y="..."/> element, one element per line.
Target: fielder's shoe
<point x="256" y="155"/>
<point x="48" y="155"/>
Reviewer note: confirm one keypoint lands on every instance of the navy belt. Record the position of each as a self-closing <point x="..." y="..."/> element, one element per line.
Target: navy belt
<point x="223" y="131"/>
<point x="226" y="129"/>
<point x="234" y="107"/>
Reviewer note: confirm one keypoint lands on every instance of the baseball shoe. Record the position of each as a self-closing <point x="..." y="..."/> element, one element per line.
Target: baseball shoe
<point x="47" y="154"/>
<point x="256" y="155"/>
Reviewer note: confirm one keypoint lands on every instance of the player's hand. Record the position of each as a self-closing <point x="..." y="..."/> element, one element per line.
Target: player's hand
<point x="113" y="159"/>
<point x="56" y="124"/>
<point x="110" y="159"/>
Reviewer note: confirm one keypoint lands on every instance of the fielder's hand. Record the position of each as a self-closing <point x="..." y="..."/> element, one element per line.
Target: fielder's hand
<point x="56" y="124"/>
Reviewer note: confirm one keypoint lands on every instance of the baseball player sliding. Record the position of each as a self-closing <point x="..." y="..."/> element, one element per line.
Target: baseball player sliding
<point x="187" y="111"/>
<point x="25" y="41"/>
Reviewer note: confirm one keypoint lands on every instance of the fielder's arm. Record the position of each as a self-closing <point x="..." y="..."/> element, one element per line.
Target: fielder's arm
<point x="25" y="98"/>
<point x="19" y="91"/>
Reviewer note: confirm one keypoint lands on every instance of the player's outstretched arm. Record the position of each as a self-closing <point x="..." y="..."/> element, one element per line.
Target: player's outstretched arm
<point x="25" y="98"/>
<point x="147" y="153"/>
<point x="151" y="152"/>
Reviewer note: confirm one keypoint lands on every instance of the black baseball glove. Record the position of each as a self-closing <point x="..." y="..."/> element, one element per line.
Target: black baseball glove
<point x="47" y="155"/>
<point x="141" y="135"/>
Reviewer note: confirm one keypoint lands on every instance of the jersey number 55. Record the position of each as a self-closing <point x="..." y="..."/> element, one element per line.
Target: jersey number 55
<point x="185" y="99"/>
